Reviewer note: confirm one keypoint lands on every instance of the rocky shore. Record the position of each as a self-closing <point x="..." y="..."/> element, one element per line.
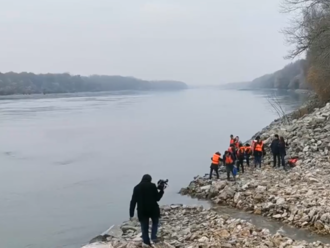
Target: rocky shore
<point x="195" y="227"/>
<point x="299" y="196"/>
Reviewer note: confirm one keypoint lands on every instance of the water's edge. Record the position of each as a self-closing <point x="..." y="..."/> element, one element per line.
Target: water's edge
<point x="259" y="221"/>
<point x="263" y="222"/>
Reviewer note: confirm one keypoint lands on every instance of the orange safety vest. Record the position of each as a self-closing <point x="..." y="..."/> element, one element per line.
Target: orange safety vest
<point x="258" y="146"/>
<point x="248" y="150"/>
<point x="237" y="144"/>
<point x="253" y="143"/>
<point x="216" y="159"/>
<point x="229" y="160"/>
<point x="241" y="150"/>
<point x="232" y="141"/>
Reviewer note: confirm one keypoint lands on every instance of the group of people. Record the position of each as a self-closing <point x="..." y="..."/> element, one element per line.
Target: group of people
<point x="146" y="194"/>
<point x="278" y="148"/>
<point x="237" y="153"/>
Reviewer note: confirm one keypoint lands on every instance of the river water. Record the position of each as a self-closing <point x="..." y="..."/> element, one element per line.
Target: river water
<point x="69" y="162"/>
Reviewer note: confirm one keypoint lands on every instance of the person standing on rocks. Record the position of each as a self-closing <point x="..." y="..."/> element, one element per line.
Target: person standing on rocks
<point x="232" y="151"/>
<point x="237" y="142"/>
<point x="232" y="140"/>
<point x="258" y="152"/>
<point x="216" y="158"/>
<point x="248" y="152"/>
<point x="282" y="151"/>
<point x="240" y="158"/>
<point x="274" y="147"/>
<point x="146" y="196"/>
<point x="229" y="162"/>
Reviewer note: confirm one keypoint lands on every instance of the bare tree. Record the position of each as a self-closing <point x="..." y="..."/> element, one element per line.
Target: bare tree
<point x="309" y="32"/>
<point x="309" y="25"/>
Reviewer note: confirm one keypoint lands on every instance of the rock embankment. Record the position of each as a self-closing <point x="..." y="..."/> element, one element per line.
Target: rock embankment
<point x="300" y="196"/>
<point x="195" y="227"/>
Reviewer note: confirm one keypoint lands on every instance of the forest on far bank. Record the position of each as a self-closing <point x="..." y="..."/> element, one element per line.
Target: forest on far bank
<point x="30" y="83"/>
<point x="291" y="77"/>
<point x="309" y="35"/>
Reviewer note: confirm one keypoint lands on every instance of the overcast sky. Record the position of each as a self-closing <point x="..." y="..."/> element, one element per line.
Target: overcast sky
<point x="196" y="41"/>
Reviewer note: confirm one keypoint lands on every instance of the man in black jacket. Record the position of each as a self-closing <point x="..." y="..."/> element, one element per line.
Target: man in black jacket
<point x="146" y="196"/>
<point x="275" y="150"/>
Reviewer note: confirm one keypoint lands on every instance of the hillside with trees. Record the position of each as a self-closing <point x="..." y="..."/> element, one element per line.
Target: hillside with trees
<point x="30" y="83"/>
<point x="309" y="33"/>
<point x="292" y="76"/>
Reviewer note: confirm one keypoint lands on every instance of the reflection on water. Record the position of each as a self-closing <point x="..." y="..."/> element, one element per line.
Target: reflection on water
<point x="287" y="100"/>
<point x="69" y="162"/>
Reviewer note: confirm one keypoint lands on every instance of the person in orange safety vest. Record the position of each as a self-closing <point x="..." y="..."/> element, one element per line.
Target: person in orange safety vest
<point x="229" y="163"/>
<point x="258" y="152"/>
<point x="232" y="140"/>
<point x="232" y="149"/>
<point x="248" y="152"/>
<point x="240" y="157"/>
<point x="216" y="159"/>
<point x="237" y="142"/>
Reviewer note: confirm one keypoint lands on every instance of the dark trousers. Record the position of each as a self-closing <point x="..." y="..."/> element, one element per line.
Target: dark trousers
<point x="276" y="158"/>
<point x="282" y="159"/>
<point x="229" y="169"/>
<point x="257" y="160"/>
<point x="214" y="167"/>
<point x="145" y="230"/>
<point x="240" y="164"/>
<point x="248" y="160"/>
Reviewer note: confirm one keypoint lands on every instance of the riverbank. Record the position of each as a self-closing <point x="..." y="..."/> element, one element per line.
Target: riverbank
<point x="194" y="227"/>
<point x="300" y="196"/>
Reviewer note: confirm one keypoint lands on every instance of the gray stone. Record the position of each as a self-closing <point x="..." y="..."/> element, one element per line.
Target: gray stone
<point x="206" y="187"/>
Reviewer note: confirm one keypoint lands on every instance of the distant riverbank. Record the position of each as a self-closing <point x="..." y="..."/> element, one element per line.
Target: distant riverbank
<point x="24" y="83"/>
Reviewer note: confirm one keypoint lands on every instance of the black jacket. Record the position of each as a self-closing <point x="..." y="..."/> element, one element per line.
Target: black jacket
<point x="146" y="196"/>
<point x="275" y="146"/>
<point x="282" y="148"/>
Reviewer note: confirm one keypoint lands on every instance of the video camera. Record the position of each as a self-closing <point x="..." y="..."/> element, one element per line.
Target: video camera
<point x="162" y="184"/>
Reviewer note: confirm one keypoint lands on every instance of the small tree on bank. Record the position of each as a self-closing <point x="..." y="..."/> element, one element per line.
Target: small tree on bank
<point x="277" y="106"/>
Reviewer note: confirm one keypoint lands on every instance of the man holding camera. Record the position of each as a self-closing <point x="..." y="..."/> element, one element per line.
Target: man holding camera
<point x="146" y="195"/>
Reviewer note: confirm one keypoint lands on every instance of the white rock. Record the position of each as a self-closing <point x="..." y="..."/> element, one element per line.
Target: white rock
<point x="206" y="187"/>
<point x="280" y="201"/>
<point x="261" y="189"/>
<point x="203" y="239"/>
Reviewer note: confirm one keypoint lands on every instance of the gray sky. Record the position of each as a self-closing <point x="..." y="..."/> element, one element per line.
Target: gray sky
<point x="198" y="42"/>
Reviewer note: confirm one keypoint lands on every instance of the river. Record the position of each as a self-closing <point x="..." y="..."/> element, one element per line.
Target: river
<point x="69" y="162"/>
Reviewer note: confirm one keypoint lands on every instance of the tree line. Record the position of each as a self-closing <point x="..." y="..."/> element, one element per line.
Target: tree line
<point x="30" y="83"/>
<point x="292" y="76"/>
<point x="309" y="34"/>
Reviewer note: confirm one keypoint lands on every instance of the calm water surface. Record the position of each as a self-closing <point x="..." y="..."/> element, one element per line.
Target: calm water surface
<point x="68" y="163"/>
